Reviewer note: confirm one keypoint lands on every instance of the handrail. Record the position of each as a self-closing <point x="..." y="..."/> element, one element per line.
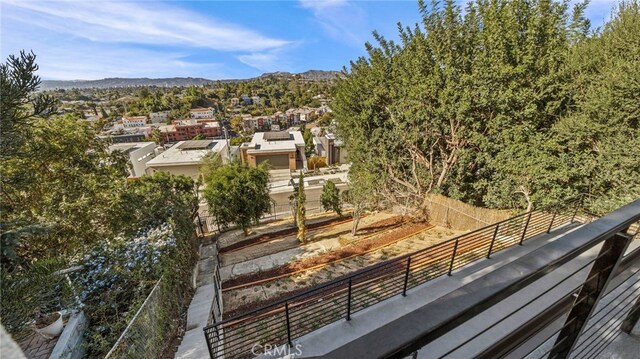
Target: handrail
<point x="368" y="269"/>
<point x="428" y="267"/>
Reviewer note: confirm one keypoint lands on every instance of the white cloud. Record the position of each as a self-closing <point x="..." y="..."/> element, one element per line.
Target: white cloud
<point x="321" y="4"/>
<point x="271" y="60"/>
<point x="143" y="23"/>
<point x="97" y="63"/>
<point x="342" y="20"/>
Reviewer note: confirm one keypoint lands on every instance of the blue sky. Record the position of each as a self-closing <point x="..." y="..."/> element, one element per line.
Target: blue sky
<point x="210" y="39"/>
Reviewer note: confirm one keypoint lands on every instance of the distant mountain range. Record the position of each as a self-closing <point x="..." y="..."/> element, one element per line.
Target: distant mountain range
<point x="313" y="75"/>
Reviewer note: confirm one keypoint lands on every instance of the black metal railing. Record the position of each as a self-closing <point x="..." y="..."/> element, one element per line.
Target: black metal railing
<point x="206" y="223"/>
<point x="288" y="319"/>
<point x="602" y="325"/>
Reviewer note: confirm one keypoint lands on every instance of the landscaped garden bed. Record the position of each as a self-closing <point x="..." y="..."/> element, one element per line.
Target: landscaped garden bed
<point x="245" y="299"/>
<point x="267" y="237"/>
<point x="353" y="249"/>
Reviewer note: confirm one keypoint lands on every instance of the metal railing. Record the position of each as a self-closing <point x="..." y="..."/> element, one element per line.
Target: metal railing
<point x="288" y="319"/>
<point x="206" y="223"/>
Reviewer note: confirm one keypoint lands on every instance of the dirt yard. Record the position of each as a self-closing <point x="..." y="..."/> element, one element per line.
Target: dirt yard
<point x="238" y="300"/>
<point x="325" y="227"/>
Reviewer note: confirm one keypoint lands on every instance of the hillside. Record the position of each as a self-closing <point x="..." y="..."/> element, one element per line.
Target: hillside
<point x="313" y="75"/>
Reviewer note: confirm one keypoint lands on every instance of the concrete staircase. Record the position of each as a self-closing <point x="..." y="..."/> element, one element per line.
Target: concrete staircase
<point x="193" y="345"/>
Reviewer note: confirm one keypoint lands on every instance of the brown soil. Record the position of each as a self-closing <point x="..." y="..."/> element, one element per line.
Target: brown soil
<point x="357" y="248"/>
<point x="267" y="237"/>
<point x="252" y="297"/>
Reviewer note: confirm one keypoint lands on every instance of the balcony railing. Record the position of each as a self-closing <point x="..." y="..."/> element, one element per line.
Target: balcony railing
<point x="288" y="319"/>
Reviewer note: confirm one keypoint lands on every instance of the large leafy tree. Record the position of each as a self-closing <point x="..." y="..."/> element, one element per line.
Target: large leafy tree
<point x="465" y="104"/>
<point x="58" y="179"/>
<point x="238" y="194"/>
<point x="598" y="143"/>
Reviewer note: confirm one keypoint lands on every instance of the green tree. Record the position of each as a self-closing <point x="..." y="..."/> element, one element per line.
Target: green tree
<point x="237" y="124"/>
<point x="330" y="198"/>
<point x="301" y="211"/>
<point x="424" y="118"/>
<point x="20" y="108"/>
<point x="239" y="194"/>
<point x="363" y="194"/>
<point x="209" y="164"/>
<point x="157" y="136"/>
<point x="596" y="145"/>
<point x="309" y="147"/>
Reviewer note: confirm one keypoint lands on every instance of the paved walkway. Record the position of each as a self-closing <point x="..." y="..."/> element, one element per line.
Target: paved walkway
<point x="279" y="259"/>
<point x="193" y="345"/>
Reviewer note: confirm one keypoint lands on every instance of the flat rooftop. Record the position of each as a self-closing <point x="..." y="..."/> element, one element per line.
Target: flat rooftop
<point x="264" y="142"/>
<point x="186" y="153"/>
<point x="128" y="147"/>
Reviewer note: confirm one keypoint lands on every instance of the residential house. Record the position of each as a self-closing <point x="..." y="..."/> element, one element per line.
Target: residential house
<point x="293" y="116"/>
<point x="256" y="100"/>
<point x="139" y="154"/>
<point x="134" y="121"/>
<point x="185" y="157"/>
<point x="333" y="149"/>
<point x="202" y="113"/>
<point x="235" y="101"/>
<point x="282" y="150"/>
<point x="159" y="117"/>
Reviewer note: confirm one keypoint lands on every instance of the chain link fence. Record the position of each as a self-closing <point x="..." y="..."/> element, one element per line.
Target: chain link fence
<point x="157" y="317"/>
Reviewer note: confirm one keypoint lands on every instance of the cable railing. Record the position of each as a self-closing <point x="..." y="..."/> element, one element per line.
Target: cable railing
<point x="285" y="320"/>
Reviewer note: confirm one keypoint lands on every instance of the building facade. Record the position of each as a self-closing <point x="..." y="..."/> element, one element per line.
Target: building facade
<point x="185" y="157"/>
<point x="202" y="113"/>
<point x="139" y="154"/>
<point x="185" y="130"/>
<point x="282" y="150"/>
<point x="134" y="121"/>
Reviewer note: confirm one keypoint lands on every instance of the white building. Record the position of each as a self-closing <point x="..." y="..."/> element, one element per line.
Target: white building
<point x="134" y="121"/>
<point x="139" y="154"/>
<point x="185" y="157"/>
<point x="159" y="117"/>
<point x="256" y="100"/>
<point x="200" y="113"/>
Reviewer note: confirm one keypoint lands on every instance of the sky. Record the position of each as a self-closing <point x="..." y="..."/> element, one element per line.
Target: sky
<point x="94" y="39"/>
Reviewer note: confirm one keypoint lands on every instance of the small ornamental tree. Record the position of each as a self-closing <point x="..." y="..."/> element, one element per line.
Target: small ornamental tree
<point x="330" y="198"/>
<point x="301" y="211"/>
<point x="238" y="194"/>
<point x="362" y="194"/>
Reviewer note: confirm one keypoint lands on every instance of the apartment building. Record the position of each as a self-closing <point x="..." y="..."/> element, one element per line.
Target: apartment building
<point x="184" y="130"/>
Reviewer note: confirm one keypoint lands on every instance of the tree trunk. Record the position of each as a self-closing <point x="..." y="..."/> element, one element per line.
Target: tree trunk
<point x="356" y="221"/>
<point x="245" y="231"/>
